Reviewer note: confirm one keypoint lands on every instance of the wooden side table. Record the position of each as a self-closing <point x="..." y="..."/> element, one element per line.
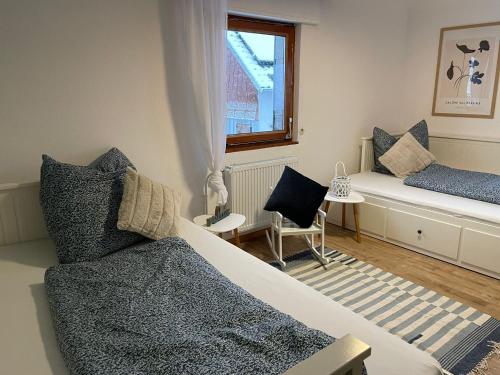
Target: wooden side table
<point x="355" y="199"/>
<point x="228" y="224"/>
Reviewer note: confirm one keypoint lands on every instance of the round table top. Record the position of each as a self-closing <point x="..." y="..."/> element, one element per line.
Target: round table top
<point x="354" y="197"/>
<point x="227" y="224"/>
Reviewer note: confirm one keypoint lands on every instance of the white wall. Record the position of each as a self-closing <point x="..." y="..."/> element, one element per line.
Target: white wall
<point x="80" y="76"/>
<point x="426" y="18"/>
<point x="289" y="10"/>
<point x="77" y="77"/>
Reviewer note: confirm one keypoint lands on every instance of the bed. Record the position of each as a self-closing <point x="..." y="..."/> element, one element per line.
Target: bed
<point x="391" y="187"/>
<point x="31" y="345"/>
<point x="457" y="230"/>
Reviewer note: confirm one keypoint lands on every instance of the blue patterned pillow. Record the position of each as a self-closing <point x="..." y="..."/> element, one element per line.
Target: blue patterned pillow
<point x="383" y="141"/>
<point x="111" y="161"/>
<point x="80" y="205"/>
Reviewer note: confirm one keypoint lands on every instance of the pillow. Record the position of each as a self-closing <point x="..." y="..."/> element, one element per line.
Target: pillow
<point x="80" y="205"/>
<point x="148" y="207"/>
<point x="111" y="161"/>
<point x="407" y="156"/>
<point x="383" y="141"/>
<point x="296" y="197"/>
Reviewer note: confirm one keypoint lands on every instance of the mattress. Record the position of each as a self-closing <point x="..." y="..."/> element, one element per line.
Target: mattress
<point x="480" y="186"/>
<point x="391" y="187"/>
<point x="28" y="344"/>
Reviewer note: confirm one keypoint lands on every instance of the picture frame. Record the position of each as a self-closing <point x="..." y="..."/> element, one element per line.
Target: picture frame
<point x="467" y="71"/>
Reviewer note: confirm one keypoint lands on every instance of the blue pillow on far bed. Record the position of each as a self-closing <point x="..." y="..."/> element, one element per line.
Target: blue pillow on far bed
<point x="80" y="205"/>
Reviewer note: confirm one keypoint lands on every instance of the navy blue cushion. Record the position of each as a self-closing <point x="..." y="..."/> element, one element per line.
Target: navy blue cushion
<point x="80" y="205"/>
<point x="111" y="161"/>
<point x="383" y="141"/>
<point x="296" y="197"/>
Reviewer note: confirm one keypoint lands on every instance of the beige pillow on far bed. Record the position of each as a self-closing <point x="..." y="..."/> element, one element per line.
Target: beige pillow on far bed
<point x="148" y="208"/>
<point x="406" y="157"/>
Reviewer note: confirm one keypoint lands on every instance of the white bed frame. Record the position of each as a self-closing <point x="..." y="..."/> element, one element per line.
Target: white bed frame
<point x="465" y="241"/>
<point x="20" y="213"/>
<point x="21" y="220"/>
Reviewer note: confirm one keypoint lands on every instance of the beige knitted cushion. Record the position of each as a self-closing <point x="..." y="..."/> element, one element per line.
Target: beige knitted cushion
<point x="148" y="207"/>
<point x="407" y="156"/>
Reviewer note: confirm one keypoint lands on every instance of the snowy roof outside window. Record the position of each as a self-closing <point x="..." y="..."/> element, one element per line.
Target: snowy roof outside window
<point x="256" y="54"/>
<point x="261" y="45"/>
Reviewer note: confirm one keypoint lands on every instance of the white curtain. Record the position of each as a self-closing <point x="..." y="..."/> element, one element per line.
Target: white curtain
<point x="205" y="25"/>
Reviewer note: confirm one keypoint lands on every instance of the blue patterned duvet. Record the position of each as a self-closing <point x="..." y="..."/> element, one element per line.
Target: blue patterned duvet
<point x="161" y="308"/>
<point x="473" y="185"/>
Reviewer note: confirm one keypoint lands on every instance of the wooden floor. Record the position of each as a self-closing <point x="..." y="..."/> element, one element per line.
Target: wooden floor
<point x="476" y="290"/>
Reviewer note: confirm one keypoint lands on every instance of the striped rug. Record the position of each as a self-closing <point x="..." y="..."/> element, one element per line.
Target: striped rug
<point x="457" y="335"/>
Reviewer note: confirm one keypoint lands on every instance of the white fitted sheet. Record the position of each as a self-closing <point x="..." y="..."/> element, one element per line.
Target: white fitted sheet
<point x="393" y="188"/>
<point x="28" y="344"/>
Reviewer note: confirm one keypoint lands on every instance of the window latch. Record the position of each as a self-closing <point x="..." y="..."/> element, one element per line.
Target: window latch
<point x="290" y="123"/>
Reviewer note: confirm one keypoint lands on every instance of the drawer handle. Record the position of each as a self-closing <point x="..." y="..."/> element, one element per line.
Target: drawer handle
<point x="419" y="234"/>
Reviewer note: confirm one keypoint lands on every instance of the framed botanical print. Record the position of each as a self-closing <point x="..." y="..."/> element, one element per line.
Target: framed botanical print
<point x="467" y="71"/>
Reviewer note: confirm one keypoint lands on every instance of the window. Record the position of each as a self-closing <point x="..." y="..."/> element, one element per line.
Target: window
<point x="260" y="57"/>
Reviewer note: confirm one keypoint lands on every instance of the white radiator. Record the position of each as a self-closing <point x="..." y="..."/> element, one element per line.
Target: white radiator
<point x="248" y="186"/>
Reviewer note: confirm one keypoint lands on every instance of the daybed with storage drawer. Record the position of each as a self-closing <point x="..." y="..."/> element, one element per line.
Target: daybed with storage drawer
<point x="458" y="230"/>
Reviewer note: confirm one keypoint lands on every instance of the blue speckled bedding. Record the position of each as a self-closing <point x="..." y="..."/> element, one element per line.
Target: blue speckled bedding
<point x="161" y="308"/>
<point x="473" y="185"/>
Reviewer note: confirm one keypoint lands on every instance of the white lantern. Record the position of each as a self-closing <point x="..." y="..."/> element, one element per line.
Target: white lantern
<point x="341" y="185"/>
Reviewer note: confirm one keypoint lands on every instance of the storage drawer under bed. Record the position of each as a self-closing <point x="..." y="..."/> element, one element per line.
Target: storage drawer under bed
<point x="481" y="249"/>
<point x="428" y="234"/>
<point x="372" y="218"/>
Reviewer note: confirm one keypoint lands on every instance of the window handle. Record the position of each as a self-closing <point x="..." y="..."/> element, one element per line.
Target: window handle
<point x="290" y="123"/>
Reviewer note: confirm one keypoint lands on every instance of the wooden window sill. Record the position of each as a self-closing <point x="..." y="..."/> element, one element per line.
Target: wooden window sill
<point x="258" y="145"/>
